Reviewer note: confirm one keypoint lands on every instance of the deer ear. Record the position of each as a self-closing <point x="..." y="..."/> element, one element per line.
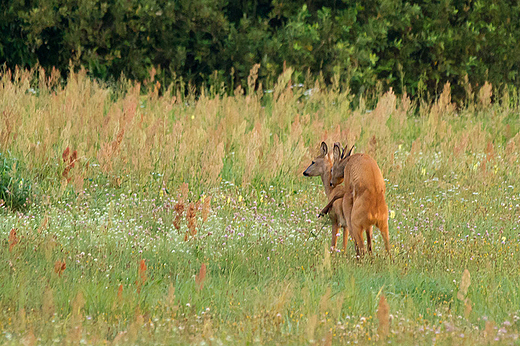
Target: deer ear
<point x="336" y="152"/>
<point x="324" y="149"/>
<point x="343" y="151"/>
<point x="350" y="151"/>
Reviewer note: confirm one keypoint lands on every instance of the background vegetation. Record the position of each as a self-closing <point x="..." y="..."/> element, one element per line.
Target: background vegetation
<point x="166" y="218"/>
<point x="415" y="46"/>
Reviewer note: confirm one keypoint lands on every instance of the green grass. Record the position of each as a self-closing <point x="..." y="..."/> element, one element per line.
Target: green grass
<point x="266" y="276"/>
<point x="271" y="278"/>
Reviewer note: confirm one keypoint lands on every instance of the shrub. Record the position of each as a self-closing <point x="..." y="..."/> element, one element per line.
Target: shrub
<point x="412" y="46"/>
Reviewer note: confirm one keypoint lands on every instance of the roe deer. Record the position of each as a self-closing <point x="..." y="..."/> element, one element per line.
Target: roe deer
<point x="321" y="166"/>
<point x="363" y="200"/>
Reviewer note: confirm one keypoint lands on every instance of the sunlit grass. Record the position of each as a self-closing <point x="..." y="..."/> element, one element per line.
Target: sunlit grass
<point x="119" y="250"/>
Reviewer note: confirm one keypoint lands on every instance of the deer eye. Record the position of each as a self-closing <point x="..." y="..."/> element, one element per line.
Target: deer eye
<point x="313" y="162"/>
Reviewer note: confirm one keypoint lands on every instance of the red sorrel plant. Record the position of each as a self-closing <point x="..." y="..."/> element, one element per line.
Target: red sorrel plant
<point x="13" y="239"/>
<point x="141" y="279"/>
<point x="59" y="267"/>
<point x="201" y="276"/>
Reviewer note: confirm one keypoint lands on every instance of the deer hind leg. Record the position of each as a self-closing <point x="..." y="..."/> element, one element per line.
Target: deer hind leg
<point x="335" y="229"/>
<point x="359" y="222"/>
<point x="345" y="239"/>
<point x="369" y="233"/>
<point x="356" y="230"/>
<point x="357" y="233"/>
<point x="383" y="227"/>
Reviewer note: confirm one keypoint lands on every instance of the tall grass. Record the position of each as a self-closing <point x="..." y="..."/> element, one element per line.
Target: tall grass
<point x="161" y="217"/>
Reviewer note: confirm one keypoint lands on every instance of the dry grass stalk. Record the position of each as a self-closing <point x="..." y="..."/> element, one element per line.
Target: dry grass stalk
<point x="48" y="246"/>
<point x="469" y="92"/>
<point x="44" y="224"/>
<point x="7" y="129"/>
<point x="20" y="320"/>
<point x="79" y="181"/>
<point x="328" y="339"/>
<point x="75" y="331"/>
<point x="462" y="144"/>
<point x="29" y="338"/>
<point x="416" y="148"/>
<point x="77" y="305"/>
<point x="109" y="151"/>
<point x="372" y="147"/>
<point x="326" y="265"/>
<point x="489" y="331"/>
<point x="324" y="301"/>
<point x="484" y="95"/>
<point x="213" y="164"/>
<point x="401" y="114"/>
<point x="311" y="327"/>
<point x="383" y="316"/>
<point x="184" y="190"/>
<point x="467" y="307"/>
<point x="206" y="208"/>
<point x="444" y="103"/>
<point x="170" y="299"/>
<point x="134" y="328"/>
<point x="48" y="303"/>
<point x="464" y="285"/>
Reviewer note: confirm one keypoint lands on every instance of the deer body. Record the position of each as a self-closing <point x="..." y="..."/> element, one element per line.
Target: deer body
<point x="363" y="202"/>
<point x="321" y="166"/>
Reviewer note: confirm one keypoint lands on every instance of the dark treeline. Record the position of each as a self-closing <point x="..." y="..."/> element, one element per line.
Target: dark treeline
<point x="411" y="45"/>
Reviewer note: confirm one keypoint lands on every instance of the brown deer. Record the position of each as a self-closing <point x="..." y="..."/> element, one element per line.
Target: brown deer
<point x="363" y="200"/>
<point x="321" y="166"/>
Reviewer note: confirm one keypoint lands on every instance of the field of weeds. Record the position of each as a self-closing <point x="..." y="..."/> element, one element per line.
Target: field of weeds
<point x="132" y="217"/>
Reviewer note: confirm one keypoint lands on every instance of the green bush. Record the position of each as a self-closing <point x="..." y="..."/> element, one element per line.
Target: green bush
<point x="14" y="189"/>
<point x="413" y="45"/>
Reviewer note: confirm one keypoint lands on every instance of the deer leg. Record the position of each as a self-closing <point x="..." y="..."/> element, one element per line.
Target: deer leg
<point x="337" y="194"/>
<point x="328" y="207"/>
<point x="335" y="229"/>
<point x="357" y="221"/>
<point x="345" y="239"/>
<point x="369" y="233"/>
<point x="357" y="233"/>
<point x="383" y="227"/>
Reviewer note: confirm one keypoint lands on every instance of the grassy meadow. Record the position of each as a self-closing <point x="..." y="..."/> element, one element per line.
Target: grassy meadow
<point x="152" y="217"/>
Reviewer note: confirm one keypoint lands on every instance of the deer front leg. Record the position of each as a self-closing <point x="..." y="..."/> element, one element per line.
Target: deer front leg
<point x="337" y="194"/>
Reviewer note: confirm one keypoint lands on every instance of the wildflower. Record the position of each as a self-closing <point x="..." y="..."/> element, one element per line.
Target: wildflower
<point x="392" y="214"/>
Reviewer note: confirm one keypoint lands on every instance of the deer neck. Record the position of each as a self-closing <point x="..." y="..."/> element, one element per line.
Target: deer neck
<point x="325" y="179"/>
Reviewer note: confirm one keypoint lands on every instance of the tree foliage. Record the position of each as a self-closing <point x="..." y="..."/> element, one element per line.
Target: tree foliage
<point x="415" y="46"/>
